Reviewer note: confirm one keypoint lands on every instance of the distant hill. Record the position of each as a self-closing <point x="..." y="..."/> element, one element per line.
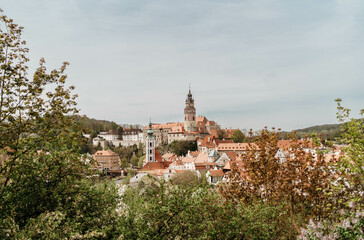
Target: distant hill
<point x="327" y="131"/>
<point x="89" y="125"/>
<point x="93" y="125"/>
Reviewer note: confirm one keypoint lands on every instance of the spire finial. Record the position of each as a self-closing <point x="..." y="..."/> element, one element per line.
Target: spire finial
<point x="189" y="88"/>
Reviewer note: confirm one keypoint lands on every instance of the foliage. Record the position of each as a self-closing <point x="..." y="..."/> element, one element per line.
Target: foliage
<point x="221" y="133"/>
<point x="238" y="136"/>
<point x="90" y="125"/>
<point x="140" y="162"/>
<point x="352" y="159"/>
<point x="185" y="178"/>
<point x="43" y="190"/>
<point x="327" y="131"/>
<point x="351" y="227"/>
<point x="181" y="148"/>
<point x="161" y="211"/>
<point x="300" y="179"/>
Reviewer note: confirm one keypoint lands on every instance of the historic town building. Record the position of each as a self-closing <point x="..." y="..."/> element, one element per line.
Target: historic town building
<point x="191" y="128"/>
<point x="150" y="145"/>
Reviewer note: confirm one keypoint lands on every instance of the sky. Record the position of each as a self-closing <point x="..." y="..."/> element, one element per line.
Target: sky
<point x="253" y="63"/>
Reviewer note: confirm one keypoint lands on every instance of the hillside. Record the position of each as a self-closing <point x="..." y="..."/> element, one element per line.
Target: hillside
<point x="327" y="131"/>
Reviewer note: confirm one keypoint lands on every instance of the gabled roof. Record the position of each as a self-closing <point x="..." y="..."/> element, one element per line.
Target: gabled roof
<point x="168" y="156"/>
<point x="232" y="155"/>
<point x="201" y="119"/>
<point x="286" y="144"/>
<point x="216" y="173"/>
<point x="149" y="166"/>
<point x="158" y="156"/>
<point x="213" y="153"/>
<point x="202" y="157"/>
<point x="188" y="159"/>
<point x="176" y="163"/>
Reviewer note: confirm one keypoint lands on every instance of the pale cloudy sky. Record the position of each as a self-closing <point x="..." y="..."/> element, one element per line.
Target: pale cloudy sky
<point x="250" y="63"/>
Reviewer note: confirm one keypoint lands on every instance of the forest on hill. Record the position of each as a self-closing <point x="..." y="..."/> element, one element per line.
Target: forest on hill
<point x="89" y="125"/>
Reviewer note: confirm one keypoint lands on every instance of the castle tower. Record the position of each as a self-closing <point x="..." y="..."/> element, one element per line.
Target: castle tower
<point x="190" y="113"/>
<point x="150" y="145"/>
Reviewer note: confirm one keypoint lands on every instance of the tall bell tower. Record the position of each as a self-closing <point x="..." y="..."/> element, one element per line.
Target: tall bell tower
<point x="150" y="145"/>
<point x="190" y="113"/>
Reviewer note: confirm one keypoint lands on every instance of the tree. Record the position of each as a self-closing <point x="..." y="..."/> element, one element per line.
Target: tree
<point x="157" y="210"/>
<point x="120" y="131"/>
<point x="221" y="133"/>
<point x="134" y="161"/>
<point x="43" y="177"/>
<point x="351" y="162"/>
<point x="238" y="136"/>
<point x="185" y="178"/>
<point x="181" y="148"/>
<point x="301" y="179"/>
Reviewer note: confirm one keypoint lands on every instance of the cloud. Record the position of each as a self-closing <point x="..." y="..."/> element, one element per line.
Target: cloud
<point x="250" y="63"/>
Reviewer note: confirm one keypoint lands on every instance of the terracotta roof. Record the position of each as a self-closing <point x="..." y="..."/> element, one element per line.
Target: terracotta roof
<point x="206" y="164"/>
<point x="286" y="144"/>
<point x="210" y="123"/>
<point x="201" y="119"/>
<point x="163" y="126"/>
<point x="167" y="156"/>
<point x="213" y="132"/>
<point x="128" y="131"/>
<point x="231" y="155"/>
<point x="188" y="159"/>
<point x="158" y="157"/>
<point x="227" y="166"/>
<point x="235" y="146"/>
<point x="202" y="157"/>
<point x="218" y="141"/>
<point x="155" y="165"/>
<point x="176" y="163"/>
<point x="216" y="173"/>
<point x="105" y="153"/>
<point x="194" y="153"/>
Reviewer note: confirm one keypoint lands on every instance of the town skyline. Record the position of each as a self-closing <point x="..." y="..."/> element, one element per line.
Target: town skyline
<point x="250" y="65"/>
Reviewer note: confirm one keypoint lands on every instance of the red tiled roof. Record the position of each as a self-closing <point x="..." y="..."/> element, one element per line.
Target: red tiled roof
<point x="105" y="153"/>
<point x="235" y="146"/>
<point x="216" y="173"/>
<point x="155" y="165"/>
<point x="286" y="144"/>
<point x="232" y="155"/>
<point x="158" y="157"/>
<point x="194" y="153"/>
<point x="188" y="159"/>
<point x="202" y="157"/>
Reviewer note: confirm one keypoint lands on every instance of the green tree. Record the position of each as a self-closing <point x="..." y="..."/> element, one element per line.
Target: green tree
<point x="352" y="159"/>
<point x="156" y="210"/>
<point x="43" y="177"/>
<point x="221" y="133"/>
<point x="181" y="148"/>
<point x="238" y="136"/>
<point x="134" y="161"/>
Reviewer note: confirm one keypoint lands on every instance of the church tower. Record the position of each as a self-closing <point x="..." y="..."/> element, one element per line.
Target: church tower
<point x="190" y="113"/>
<point x="150" y="145"/>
